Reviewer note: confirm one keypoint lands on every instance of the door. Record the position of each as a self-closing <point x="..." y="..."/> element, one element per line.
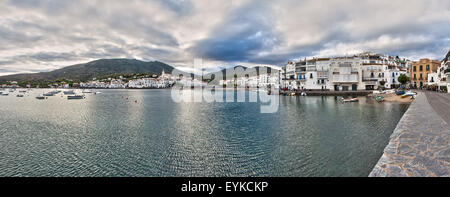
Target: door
<point x="354" y="87"/>
<point x="336" y="88"/>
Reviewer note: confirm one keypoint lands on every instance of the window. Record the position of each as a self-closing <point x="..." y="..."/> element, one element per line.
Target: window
<point x="311" y="75"/>
<point x="414" y="69"/>
<point x="393" y="74"/>
<point x="415" y="77"/>
<point x="420" y="76"/>
<point x="372" y="75"/>
<point x="420" y="68"/>
<point x="428" y="67"/>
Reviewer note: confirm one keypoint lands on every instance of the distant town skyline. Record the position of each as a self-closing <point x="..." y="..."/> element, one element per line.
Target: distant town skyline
<point x="43" y="35"/>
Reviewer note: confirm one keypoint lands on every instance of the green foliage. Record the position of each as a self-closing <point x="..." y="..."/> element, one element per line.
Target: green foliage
<point x="403" y="79"/>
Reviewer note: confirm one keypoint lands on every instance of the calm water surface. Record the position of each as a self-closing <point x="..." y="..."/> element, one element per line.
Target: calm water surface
<point x="107" y="135"/>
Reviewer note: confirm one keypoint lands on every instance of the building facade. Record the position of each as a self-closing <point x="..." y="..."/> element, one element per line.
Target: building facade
<point x="420" y="70"/>
<point x="363" y="71"/>
<point x="443" y="73"/>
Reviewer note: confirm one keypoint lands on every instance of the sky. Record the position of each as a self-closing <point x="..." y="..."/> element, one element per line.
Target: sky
<point x="43" y="35"/>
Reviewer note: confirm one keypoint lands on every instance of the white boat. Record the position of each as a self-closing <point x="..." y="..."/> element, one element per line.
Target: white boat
<point x="349" y="100"/>
<point x="49" y="94"/>
<point x="71" y="92"/>
<point x="376" y="92"/>
<point x="303" y="94"/>
<point x="75" y="97"/>
<point x="86" y="92"/>
<point x="410" y="93"/>
<point x="4" y="94"/>
<point x="98" y="93"/>
<point x="41" y="97"/>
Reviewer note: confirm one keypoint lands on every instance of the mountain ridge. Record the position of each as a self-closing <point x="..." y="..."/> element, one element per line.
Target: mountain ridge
<point x="92" y="69"/>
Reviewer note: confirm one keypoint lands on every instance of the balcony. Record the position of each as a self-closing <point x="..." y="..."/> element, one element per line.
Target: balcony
<point x="352" y="78"/>
<point x="370" y="79"/>
<point x="322" y="74"/>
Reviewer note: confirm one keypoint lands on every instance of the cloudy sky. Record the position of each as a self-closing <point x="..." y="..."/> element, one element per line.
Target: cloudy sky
<point x="42" y="35"/>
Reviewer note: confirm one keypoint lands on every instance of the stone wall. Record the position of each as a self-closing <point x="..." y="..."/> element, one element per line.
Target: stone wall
<point x="419" y="145"/>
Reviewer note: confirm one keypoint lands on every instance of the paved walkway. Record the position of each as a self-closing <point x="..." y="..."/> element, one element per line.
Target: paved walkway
<point x="440" y="103"/>
<point x="419" y="145"/>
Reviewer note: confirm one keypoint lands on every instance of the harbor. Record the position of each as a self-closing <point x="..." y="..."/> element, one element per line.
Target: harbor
<point x="158" y="137"/>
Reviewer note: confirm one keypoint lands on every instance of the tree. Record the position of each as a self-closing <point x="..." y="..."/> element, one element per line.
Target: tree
<point x="403" y="79"/>
<point x="382" y="82"/>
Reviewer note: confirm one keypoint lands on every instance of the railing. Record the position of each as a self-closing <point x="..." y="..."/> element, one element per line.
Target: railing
<point x="370" y="79"/>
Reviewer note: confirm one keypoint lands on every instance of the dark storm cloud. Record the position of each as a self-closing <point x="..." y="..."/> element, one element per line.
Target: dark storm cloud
<point x="247" y="31"/>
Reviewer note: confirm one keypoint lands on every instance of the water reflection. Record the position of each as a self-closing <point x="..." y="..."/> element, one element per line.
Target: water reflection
<point x="108" y="135"/>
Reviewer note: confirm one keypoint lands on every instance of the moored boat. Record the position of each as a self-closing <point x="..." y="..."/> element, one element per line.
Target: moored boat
<point x="86" y="91"/>
<point x="41" y="97"/>
<point x="69" y="92"/>
<point x="75" y="97"/>
<point x="19" y="95"/>
<point x="401" y="92"/>
<point x="350" y="100"/>
<point x="49" y="94"/>
<point x="379" y="98"/>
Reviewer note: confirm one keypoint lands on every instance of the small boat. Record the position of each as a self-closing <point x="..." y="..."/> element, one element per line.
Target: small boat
<point x="49" y="94"/>
<point x="41" y="97"/>
<point x="19" y="95"/>
<point x="98" y="93"/>
<point x="4" y="94"/>
<point x="69" y="92"/>
<point x="401" y="92"/>
<point x="350" y="100"/>
<point x="410" y="93"/>
<point x="22" y="91"/>
<point x="303" y="94"/>
<point x="86" y="92"/>
<point x="379" y="98"/>
<point x="75" y="97"/>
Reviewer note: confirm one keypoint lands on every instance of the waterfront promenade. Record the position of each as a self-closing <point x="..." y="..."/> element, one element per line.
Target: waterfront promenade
<point x="440" y="103"/>
<point x="420" y="144"/>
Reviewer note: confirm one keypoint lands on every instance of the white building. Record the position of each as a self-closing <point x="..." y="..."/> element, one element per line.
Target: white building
<point x="364" y="71"/>
<point x="345" y="74"/>
<point x="288" y="76"/>
<point x="443" y="73"/>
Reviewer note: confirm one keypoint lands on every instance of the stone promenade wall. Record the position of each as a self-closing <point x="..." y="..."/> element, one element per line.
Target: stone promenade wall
<point x="419" y="145"/>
